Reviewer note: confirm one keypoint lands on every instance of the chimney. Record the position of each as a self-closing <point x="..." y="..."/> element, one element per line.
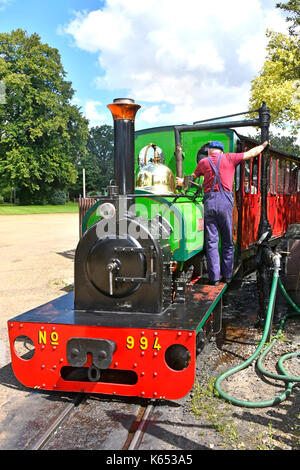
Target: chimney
<point x="124" y="111"/>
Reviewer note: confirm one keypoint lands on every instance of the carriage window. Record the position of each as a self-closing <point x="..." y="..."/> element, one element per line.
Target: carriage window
<point x="254" y="182"/>
<point x="287" y="178"/>
<point x="273" y="175"/>
<point x="293" y="177"/>
<point x="268" y="174"/>
<point x="298" y="187"/>
<point x="280" y="177"/>
<point x="247" y="176"/>
<point x="237" y="177"/>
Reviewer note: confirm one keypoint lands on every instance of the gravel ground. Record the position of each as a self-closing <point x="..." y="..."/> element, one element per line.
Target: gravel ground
<point x="36" y="253"/>
<point x="241" y="427"/>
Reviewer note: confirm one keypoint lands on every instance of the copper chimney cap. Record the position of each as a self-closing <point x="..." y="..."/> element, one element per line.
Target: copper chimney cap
<point x="124" y="108"/>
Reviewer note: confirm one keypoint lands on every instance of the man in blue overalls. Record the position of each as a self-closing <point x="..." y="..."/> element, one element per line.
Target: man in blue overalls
<point x="218" y="170"/>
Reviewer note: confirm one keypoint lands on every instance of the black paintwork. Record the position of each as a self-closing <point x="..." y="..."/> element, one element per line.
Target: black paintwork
<point x="186" y="316"/>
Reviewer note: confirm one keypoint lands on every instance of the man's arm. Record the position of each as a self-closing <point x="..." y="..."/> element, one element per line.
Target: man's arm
<point x="255" y="151"/>
<point x="179" y="181"/>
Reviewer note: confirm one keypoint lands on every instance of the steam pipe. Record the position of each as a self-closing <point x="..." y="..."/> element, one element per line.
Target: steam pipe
<point x="227" y="116"/>
<point x="206" y="126"/>
<point x="264" y="229"/>
<point x="264" y="118"/>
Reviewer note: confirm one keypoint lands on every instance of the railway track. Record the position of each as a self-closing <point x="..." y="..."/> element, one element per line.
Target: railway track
<point x="115" y="433"/>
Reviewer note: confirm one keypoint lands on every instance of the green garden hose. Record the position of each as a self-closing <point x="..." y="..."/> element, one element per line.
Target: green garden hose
<point x="290" y="380"/>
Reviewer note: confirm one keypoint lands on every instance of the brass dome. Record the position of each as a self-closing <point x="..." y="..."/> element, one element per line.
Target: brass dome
<point x="157" y="178"/>
<point x="154" y="176"/>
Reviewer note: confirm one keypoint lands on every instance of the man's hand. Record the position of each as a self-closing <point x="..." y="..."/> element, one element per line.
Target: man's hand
<point x="255" y="151"/>
<point x="179" y="181"/>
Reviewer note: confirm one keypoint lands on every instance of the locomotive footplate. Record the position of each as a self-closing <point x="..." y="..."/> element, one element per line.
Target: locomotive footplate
<point x="128" y="354"/>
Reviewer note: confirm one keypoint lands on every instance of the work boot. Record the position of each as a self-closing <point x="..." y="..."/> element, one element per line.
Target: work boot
<point x="214" y="283"/>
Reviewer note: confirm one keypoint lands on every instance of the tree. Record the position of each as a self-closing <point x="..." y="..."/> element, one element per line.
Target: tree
<point x="278" y="83"/>
<point x="42" y="135"/>
<point x="293" y="8"/>
<point x="287" y="144"/>
<point x="98" y="161"/>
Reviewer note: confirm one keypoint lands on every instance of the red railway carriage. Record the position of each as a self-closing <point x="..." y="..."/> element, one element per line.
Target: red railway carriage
<point x="283" y="194"/>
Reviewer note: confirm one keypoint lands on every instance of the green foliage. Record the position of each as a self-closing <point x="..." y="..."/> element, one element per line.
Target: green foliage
<point x="42" y="135"/>
<point x="293" y="9"/>
<point x="26" y="197"/>
<point x="98" y="161"/>
<point x="100" y="148"/>
<point x="46" y="195"/>
<point x="58" y="197"/>
<point x="6" y="193"/>
<point x="279" y="81"/>
<point x="284" y="143"/>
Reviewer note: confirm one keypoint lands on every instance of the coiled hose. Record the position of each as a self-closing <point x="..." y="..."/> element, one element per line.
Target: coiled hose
<point x="290" y="380"/>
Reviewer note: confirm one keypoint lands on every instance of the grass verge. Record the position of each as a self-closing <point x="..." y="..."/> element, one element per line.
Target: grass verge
<point x="12" y="209"/>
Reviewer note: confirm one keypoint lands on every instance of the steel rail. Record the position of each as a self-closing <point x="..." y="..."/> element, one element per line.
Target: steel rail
<point x="46" y="435"/>
<point x="132" y="442"/>
<point x="138" y="435"/>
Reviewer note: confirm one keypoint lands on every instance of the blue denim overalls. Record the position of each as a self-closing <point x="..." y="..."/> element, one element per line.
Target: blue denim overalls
<point x="218" y="207"/>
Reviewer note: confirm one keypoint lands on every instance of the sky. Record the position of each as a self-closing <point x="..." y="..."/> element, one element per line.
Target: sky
<point x="182" y="61"/>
